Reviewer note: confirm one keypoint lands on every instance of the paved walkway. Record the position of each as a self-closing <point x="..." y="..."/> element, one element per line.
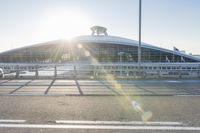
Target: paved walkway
<point x="99" y="87"/>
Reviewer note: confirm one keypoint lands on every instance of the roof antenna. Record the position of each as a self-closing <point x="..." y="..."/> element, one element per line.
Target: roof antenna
<point x="98" y="30"/>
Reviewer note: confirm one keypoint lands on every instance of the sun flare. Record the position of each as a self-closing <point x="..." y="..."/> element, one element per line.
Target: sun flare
<point x="65" y="23"/>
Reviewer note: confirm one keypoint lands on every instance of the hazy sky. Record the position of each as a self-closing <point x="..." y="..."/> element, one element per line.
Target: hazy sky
<point x="165" y="23"/>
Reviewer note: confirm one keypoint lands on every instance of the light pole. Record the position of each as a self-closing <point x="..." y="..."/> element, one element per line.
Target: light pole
<point x="139" y="46"/>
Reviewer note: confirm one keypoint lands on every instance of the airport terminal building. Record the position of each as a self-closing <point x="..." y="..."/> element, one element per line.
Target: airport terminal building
<point x="100" y="54"/>
<point x="99" y="46"/>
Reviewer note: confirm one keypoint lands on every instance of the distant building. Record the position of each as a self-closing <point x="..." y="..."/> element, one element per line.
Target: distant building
<point x="99" y="46"/>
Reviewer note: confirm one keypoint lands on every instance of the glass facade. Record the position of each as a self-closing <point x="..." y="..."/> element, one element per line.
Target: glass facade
<point x="110" y="53"/>
<point x="101" y="52"/>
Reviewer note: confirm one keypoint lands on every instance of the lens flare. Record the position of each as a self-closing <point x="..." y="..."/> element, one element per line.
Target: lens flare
<point x="137" y="107"/>
<point x="146" y="115"/>
<point x="87" y="53"/>
<point x="117" y="87"/>
<point x="79" y="46"/>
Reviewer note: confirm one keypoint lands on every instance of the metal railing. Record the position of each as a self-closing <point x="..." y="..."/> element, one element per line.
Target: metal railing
<point x="118" y="70"/>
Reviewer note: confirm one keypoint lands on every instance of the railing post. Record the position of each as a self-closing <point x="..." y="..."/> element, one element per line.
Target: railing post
<point x="55" y="71"/>
<point x="17" y="71"/>
<point x="94" y="71"/>
<point x="75" y="72"/>
<point x="17" y="74"/>
<point x="36" y="71"/>
<point x="180" y="72"/>
<point x="198" y="72"/>
<point x="159" y="73"/>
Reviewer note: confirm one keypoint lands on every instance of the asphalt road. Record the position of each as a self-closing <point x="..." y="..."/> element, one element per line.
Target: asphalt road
<point x="46" y="110"/>
<point x="97" y="106"/>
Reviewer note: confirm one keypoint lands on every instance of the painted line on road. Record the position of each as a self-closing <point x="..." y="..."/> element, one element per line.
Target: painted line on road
<point x="64" y="94"/>
<point x="166" y="123"/>
<point x="79" y="88"/>
<point x="12" y="121"/>
<point x="30" y="94"/>
<point x="47" y="90"/>
<point x="188" y="95"/>
<point x="21" y="86"/>
<point x="180" y="128"/>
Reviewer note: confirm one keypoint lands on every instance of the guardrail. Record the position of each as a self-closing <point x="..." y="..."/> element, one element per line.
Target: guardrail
<point x="118" y="70"/>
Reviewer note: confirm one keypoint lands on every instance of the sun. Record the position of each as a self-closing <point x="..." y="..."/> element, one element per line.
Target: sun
<point x="65" y="23"/>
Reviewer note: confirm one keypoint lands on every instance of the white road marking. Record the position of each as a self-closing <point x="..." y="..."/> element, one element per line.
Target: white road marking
<point x="118" y="122"/>
<point x="12" y="121"/>
<point x="188" y="95"/>
<point x="172" y="81"/>
<point x="33" y="94"/>
<point x="180" y="128"/>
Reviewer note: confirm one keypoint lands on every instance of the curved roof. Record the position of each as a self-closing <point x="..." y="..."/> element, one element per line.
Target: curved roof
<point x="31" y="46"/>
<point x="105" y="39"/>
<point x="125" y="41"/>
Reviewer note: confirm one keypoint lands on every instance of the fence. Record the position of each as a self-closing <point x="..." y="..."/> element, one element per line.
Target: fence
<point x="101" y="70"/>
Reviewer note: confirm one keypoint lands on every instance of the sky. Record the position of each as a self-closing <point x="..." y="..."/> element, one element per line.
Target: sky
<point x="165" y="23"/>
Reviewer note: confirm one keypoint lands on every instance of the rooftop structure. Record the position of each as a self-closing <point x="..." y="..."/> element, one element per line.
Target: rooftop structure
<point x="99" y="30"/>
<point x="99" y="46"/>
